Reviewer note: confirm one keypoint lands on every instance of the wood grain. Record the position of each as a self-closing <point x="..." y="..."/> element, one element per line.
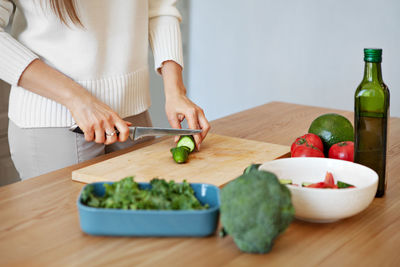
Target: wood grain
<point x="221" y="159"/>
<point x="39" y="221"/>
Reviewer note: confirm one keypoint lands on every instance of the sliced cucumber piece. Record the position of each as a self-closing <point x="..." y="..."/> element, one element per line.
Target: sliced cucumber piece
<point x="187" y="141"/>
<point x="304" y="184"/>
<point x="285" y="181"/>
<point x="344" y="185"/>
<point x="180" y="154"/>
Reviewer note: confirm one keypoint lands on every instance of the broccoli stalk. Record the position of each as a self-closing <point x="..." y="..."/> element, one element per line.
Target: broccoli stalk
<point x="222" y="232"/>
<point x="255" y="209"/>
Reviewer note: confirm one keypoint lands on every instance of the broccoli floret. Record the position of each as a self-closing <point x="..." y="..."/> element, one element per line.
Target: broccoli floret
<point x="255" y="209"/>
<point x="252" y="167"/>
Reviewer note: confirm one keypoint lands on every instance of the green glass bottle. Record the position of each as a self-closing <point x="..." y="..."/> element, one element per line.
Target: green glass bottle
<point x="370" y="118"/>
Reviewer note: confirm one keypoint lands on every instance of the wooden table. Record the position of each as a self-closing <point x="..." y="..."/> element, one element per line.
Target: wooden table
<point x="39" y="219"/>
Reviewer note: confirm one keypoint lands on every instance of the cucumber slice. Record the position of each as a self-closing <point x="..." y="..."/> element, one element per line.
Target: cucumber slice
<point x="304" y="184"/>
<point x="180" y="154"/>
<point x="344" y="185"/>
<point x="285" y="181"/>
<point x="187" y="141"/>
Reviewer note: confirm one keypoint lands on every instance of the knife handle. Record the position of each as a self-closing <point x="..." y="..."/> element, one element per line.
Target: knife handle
<point x="76" y="129"/>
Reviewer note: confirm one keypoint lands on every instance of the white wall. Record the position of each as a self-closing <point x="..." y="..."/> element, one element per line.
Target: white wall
<point x="246" y="53"/>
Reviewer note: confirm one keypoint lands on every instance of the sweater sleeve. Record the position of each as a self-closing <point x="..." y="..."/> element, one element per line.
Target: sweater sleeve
<point x="14" y="57"/>
<point x="164" y="32"/>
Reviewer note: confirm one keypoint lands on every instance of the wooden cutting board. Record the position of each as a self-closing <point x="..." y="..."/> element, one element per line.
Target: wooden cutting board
<point x="220" y="160"/>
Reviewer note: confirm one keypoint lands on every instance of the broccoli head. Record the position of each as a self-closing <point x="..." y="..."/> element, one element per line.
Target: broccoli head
<point x="255" y="209"/>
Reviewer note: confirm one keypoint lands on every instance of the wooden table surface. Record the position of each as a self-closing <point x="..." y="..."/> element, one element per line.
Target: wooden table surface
<point x="39" y="220"/>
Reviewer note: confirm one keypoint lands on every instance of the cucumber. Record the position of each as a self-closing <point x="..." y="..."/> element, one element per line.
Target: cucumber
<point x="180" y="154"/>
<point x="304" y="184"/>
<point x="252" y="167"/>
<point x="185" y="145"/>
<point x="187" y="141"/>
<point x="344" y="185"/>
<point x="285" y="181"/>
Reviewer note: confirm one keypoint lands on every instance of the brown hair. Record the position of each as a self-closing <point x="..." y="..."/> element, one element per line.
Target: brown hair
<point x="66" y="11"/>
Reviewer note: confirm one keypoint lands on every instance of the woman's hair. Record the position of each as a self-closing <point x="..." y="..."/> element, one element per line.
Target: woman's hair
<point x="66" y="11"/>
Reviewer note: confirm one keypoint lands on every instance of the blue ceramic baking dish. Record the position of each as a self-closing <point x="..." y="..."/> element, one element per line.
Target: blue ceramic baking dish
<point x="115" y="222"/>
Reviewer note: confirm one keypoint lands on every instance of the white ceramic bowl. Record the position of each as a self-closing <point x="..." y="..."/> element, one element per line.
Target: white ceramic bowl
<point x="326" y="205"/>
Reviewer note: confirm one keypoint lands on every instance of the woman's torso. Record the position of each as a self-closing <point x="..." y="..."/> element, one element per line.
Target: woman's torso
<point x="112" y="42"/>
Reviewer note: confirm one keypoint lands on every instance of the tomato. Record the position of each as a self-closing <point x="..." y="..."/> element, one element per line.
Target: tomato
<point x="310" y="139"/>
<point x="322" y="185"/>
<point x="342" y="150"/>
<point x="329" y="181"/>
<point x="307" y="151"/>
<point x="316" y="185"/>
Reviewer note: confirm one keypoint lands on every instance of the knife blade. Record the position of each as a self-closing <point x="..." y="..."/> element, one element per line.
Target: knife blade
<point x="138" y="131"/>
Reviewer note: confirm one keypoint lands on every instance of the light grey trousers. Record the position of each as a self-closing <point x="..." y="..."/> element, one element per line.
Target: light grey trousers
<point x="36" y="151"/>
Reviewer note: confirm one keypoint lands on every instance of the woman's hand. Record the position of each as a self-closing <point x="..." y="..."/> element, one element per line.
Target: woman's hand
<point x="178" y="106"/>
<point x="96" y="119"/>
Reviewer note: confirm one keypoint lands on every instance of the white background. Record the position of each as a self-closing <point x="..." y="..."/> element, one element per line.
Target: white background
<point x="241" y="54"/>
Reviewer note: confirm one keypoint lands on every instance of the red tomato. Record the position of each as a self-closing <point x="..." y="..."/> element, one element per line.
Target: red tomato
<point x="329" y="181"/>
<point x="307" y="151"/>
<point x="316" y="185"/>
<point x="322" y="185"/>
<point x="310" y="139"/>
<point x="342" y="150"/>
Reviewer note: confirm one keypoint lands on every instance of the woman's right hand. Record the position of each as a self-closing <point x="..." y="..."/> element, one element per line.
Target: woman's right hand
<point x="97" y="120"/>
<point x="93" y="116"/>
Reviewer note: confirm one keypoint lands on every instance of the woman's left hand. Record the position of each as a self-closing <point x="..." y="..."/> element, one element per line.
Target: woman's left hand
<point x="178" y="106"/>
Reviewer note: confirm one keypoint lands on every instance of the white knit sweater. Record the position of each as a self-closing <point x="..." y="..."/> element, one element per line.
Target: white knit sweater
<point x="108" y="56"/>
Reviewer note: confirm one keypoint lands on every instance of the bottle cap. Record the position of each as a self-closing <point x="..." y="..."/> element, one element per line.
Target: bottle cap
<point x="373" y="55"/>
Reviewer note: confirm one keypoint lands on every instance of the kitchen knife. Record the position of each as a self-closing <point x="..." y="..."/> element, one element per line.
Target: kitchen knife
<point x="138" y="132"/>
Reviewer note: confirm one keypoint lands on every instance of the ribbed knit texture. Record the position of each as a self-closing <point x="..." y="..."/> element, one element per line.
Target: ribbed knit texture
<point x="124" y="94"/>
<point x="14" y="58"/>
<point x="165" y="40"/>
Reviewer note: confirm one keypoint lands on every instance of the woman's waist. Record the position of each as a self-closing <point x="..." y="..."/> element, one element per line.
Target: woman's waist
<point x="106" y="87"/>
<point x="134" y="80"/>
<point x="127" y="94"/>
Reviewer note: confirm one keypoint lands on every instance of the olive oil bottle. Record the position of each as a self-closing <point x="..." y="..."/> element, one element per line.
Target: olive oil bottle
<point x="371" y="112"/>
